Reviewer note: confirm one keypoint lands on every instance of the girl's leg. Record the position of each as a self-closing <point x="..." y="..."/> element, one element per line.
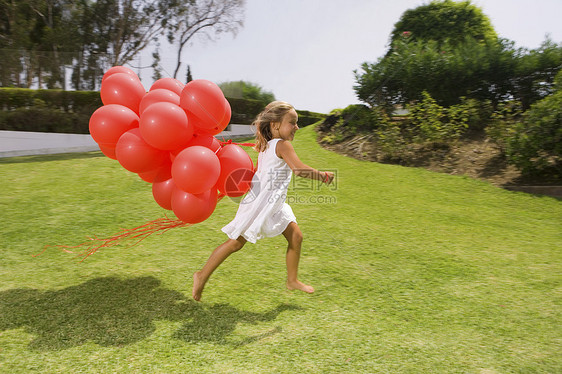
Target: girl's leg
<point x="217" y="257"/>
<point x="294" y="237"/>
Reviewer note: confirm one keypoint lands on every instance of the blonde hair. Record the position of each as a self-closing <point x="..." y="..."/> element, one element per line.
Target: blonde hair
<point x="273" y="112"/>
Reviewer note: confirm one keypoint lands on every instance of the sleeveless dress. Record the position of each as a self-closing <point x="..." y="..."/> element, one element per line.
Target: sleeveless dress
<point x="263" y="212"/>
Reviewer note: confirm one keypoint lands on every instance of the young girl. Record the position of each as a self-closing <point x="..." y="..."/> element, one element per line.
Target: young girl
<point x="263" y="212"/>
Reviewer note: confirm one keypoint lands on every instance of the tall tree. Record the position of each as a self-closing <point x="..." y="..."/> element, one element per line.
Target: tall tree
<point x="446" y="48"/>
<point x="444" y="20"/>
<point x="535" y="72"/>
<point x="114" y="32"/>
<point x="15" y="23"/>
<point x="35" y="37"/>
<point x="41" y="39"/>
<point x="188" y="76"/>
<point x="208" y="18"/>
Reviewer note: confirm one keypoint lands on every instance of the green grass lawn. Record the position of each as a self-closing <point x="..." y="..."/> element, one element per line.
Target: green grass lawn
<point x="414" y="271"/>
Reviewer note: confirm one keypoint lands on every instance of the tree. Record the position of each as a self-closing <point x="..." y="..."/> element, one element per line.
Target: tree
<point x="114" y="32"/>
<point x="446" y="72"/>
<point x="246" y="90"/>
<point x="452" y="53"/>
<point x="203" y="17"/>
<point x="188" y="76"/>
<point x="445" y="21"/>
<point x="41" y="39"/>
<point x="126" y="27"/>
<point x="535" y="72"/>
<point x="444" y="48"/>
<point x="36" y="37"/>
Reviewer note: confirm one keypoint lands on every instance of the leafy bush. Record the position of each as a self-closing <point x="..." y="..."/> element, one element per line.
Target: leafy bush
<point x="535" y="145"/>
<point x="391" y="141"/>
<point x="502" y="123"/>
<point x="307" y="118"/>
<point x="431" y="122"/>
<point x="476" y="113"/>
<point x="344" y="123"/>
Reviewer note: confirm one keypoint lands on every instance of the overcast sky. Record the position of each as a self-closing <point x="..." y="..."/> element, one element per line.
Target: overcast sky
<point x="305" y="51"/>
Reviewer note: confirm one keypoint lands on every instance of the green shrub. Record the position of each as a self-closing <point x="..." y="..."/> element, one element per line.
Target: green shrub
<point x="391" y="140"/>
<point x="535" y="144"/>
<point x="347" y="122"/>
<point x="501" y="126"/>
<point x="360" y="118"/>
<point x="307" y="118"/>
<point x="431" y="122"/>
<point x="476" y="113"/>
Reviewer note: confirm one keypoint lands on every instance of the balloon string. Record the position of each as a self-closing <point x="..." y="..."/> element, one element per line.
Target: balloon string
<point x="134" y="236"/>
<point x="229" y="141"/>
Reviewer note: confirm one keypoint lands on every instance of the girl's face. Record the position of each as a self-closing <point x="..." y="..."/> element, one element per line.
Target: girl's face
<point x="287" y="127"/>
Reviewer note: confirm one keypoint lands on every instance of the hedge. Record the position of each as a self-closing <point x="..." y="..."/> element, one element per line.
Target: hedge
<point x="14" y="98"/>
<point x="23" y="109"/>
<point x="61" y="111"/>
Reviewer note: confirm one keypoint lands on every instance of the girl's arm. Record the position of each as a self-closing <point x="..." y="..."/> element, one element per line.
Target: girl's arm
<point x="286" y="151"/>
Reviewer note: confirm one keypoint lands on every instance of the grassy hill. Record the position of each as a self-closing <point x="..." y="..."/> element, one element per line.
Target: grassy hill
<point x="414" y="271"/>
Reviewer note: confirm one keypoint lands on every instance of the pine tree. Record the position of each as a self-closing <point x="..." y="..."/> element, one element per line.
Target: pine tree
<point x="189" y="78"/>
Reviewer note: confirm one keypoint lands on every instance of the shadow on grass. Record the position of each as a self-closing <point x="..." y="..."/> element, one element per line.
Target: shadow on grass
<point x="116" y="312"/>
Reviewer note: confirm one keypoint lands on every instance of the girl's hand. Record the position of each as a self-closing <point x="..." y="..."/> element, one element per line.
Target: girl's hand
<point x="328" y="177"/>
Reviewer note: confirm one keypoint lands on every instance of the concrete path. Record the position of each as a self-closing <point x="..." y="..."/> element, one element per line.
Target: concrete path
<point x="24" y="143"/>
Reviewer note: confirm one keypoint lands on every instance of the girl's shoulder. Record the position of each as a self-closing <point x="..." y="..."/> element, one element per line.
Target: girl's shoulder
<point x="284" y="147"/>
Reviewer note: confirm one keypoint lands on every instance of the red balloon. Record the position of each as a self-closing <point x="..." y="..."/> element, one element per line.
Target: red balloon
<point x="171" y="84"/>
<point x="205" y="140"/>
<point x="227" y="114"/>
<point x="109" y="122"/>
<point x="158" y="95"/>
<point x="205" y="104"/>
<point x="108" y="150"/>
<point x="136" y="155"/>
<point x="162" y="188"/>
<point x="119" y="69"/>
<point x="151" y="175"/>
<point x="193" y="208"/>
<point x="221" y="125"/>
<point x="237" y="171"/>
<point x="164" y="126"/>
<point x="122" y="89"/>
<point x="196" y="169"/>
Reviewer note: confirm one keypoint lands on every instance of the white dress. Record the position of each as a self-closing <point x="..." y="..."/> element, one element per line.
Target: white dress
<point x="263" y="212"/>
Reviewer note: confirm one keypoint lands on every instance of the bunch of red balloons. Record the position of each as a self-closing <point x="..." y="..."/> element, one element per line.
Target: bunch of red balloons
<point x="167" y="137"/>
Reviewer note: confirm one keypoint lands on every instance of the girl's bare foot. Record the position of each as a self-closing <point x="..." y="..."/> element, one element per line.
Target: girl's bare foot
<point x="198" y="285"/>
<point x="298" y="285"/>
